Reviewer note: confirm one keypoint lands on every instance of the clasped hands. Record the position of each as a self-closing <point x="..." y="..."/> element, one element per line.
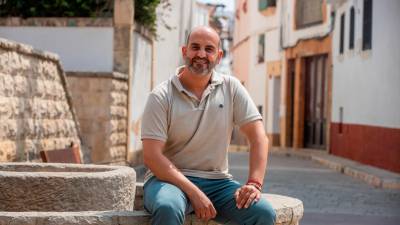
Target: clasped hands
<point x="244" y="197"/>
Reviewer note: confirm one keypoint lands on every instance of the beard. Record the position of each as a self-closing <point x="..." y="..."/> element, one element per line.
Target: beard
<point x="199" y="66"/>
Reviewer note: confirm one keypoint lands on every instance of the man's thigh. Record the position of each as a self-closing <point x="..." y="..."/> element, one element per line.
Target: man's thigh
<point x="158" y="194"/>
<point x="225" y="204"/>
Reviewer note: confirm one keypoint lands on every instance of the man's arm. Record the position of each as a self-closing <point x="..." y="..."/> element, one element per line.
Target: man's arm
<point x="258" y="141"/>
<point x="165" y="170"/>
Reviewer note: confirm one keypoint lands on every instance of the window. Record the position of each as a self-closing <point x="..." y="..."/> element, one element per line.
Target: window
<point x="308" y="13"/>
<point x="261" y="48"/>
<point x="351" y="38"/>
<point x="341" y="44"/>
<point x="264" y="4"/>
<point x="367" y="25"/>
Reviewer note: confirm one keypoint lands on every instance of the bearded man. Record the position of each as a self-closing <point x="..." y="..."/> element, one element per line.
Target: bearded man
<point x="186" y="131"/>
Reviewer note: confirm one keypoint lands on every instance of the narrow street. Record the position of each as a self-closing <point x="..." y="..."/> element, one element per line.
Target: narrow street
<point x="329" y="197"/>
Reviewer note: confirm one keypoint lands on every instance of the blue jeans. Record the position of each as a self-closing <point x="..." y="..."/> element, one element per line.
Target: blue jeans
<point x="169" y="205"/>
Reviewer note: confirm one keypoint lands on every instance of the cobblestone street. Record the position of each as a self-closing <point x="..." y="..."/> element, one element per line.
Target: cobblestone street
<point x="329" y="197"/>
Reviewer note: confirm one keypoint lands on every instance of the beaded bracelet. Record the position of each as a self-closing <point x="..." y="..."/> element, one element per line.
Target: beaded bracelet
<point x="255" y="183"/>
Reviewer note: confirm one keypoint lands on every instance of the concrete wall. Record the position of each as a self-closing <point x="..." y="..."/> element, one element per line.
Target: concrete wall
<point x="141" y="87"/>
<point x="101" y="103"/>
<point x="79" y="48"/>
<point x="35" y="108"/>
<point x="365" y="83"/>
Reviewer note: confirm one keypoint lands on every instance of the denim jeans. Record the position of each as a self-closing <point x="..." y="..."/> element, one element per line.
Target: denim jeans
<point x="169" y="205"/>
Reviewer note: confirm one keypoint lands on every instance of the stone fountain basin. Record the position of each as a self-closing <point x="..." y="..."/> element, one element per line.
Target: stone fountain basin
<point x="45" y="187"/>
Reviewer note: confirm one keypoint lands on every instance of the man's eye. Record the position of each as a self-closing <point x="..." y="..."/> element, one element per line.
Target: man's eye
<point x="209" y="49"/>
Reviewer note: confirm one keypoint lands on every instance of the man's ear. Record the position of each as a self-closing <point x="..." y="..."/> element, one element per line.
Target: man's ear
<point x="220" y="55"/>
<point x="184" y="51"/>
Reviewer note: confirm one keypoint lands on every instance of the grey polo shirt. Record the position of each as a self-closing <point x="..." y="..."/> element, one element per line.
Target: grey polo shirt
<point x="197" y="133"/>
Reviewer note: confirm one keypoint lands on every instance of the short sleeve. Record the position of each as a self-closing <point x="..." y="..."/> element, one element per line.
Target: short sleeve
<point x="154" y="120"/>
<point x="244" y="109"/>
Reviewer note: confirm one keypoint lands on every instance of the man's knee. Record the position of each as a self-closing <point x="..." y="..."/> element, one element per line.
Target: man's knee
<point x="265" y="215"/>
<point x="169" y="208"/>
<point x="169" y="212"/>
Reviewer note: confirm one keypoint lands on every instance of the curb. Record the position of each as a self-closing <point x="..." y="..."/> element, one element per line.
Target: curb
<point x="374" y="176"/>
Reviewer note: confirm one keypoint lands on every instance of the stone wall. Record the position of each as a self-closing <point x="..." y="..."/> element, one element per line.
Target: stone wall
<point x="100" y="100"/>
<point x="35" y="108"/>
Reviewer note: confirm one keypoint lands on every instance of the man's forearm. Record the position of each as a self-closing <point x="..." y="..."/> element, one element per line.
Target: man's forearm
<point x="165" y="170"/>
<point x="258" y="159"/>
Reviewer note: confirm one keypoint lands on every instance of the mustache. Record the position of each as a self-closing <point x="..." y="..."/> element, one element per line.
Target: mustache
<point x="200" y="59"/>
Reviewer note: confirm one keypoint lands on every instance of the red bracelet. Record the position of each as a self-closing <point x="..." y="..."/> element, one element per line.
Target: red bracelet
<point x="255" y="183"/>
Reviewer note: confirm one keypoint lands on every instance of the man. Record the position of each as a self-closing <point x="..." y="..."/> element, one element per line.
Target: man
<point x="186" y="131"/>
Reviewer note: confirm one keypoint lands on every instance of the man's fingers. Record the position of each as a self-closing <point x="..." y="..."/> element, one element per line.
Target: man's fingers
<point x="250" y="199"/>
<point x="213" y="212"/>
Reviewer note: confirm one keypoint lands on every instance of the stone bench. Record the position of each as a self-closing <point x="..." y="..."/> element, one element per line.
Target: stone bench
<point x="288" y="210"/>
<point x="59" y="194"/>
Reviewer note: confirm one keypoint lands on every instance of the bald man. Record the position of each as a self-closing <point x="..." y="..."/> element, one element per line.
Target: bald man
<point x="186" y="131"/>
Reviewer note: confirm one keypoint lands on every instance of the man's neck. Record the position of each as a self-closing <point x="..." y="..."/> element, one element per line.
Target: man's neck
<point x="194" y="82"/>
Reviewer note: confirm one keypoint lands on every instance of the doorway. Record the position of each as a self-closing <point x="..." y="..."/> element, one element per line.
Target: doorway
<point x="315" y="113"/>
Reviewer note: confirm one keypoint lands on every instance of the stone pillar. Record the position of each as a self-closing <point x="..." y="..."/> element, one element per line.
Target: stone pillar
<point x="123" y="46"/>
<point x="123" y="31"/>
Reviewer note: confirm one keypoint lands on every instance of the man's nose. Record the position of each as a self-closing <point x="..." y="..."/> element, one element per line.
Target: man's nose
<point x="201" y="53"/>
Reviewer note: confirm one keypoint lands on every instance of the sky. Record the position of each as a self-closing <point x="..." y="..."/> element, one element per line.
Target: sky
<point x="230" y="4"/>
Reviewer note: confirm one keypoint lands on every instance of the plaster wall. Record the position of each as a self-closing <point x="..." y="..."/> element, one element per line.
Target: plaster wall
<point x="365" y="83"/>
<point x="94" y="44"/>
<point x="141" y="87"/>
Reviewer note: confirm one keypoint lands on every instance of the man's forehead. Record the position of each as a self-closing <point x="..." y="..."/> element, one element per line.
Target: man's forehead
<point x="204" y="34"/>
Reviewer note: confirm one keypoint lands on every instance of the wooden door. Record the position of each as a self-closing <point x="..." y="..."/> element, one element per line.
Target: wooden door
<point x="315" y="105"/>
<point x="290" y="102"/>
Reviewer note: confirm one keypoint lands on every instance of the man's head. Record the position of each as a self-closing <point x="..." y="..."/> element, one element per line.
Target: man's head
<point x="202" y="51"/>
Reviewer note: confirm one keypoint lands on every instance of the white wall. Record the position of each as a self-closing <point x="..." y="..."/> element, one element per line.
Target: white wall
<point x="79" y="48"/>
<point x="366" y="83"/>
<point x="261" y="93"/>
<point x="256" y="83"/>
<point x="274" y="99"/>
<point x="290" y="36"/>
<point x="140" y="85"/>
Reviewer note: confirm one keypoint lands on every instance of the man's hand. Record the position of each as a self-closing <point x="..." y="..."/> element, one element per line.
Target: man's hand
<point x="245" y="195"/>
<point x="203" y="207"/>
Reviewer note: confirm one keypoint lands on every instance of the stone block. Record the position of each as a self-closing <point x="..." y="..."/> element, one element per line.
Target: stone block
<point x="21" y="86"/>
<point x="6" y="111"/>
<point x="8" y="129"/>
<point x="121" y="60"/>
<point x="8" y="150"/>
<point x="119" y="99"/>
<point x="118" y="85"/>
<point x="118" y="112"/>
<point x="123" y="12"/>
<point x="118" y="125"/>
<point x="117" y="138"/>
<point x="118" y="153"/>
<point x="8" y="85"/>
<point x="48" y="70"/>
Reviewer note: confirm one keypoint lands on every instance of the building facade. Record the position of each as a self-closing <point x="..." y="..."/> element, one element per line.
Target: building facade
<point x="257" y="57"/>
<point x="366" y="74"/>
<point x="325" y="73"/>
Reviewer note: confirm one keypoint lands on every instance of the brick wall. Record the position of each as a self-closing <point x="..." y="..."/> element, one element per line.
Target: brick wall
<point x="35" y="109"/>
<point x="100" y="100"/>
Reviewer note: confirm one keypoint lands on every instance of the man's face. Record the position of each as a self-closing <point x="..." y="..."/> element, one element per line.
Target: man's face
<point x="202" y="52"/>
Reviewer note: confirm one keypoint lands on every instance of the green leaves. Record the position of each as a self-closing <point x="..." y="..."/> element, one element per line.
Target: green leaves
<point x="145" y="10"/>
